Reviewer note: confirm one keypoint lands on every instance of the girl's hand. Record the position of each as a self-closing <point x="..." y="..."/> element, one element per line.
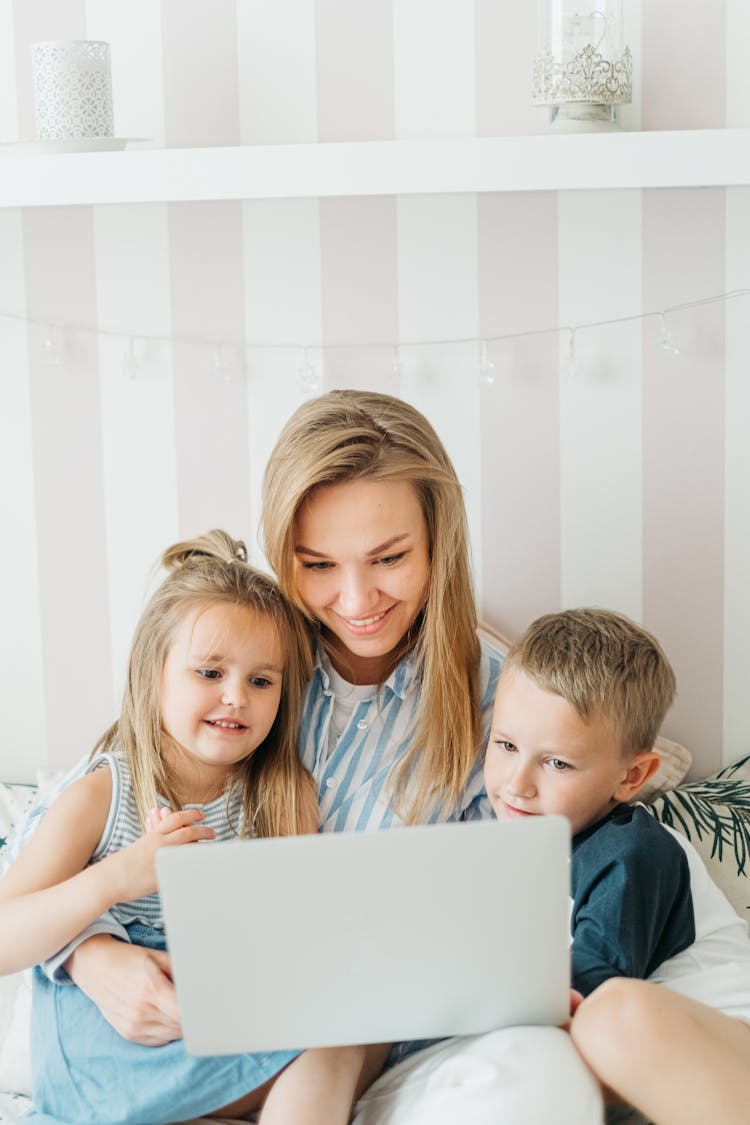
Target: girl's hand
<point x="133" y="870"/>
<point x="156" y="816"/>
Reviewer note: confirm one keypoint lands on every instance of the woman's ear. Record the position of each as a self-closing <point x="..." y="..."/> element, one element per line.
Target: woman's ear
<point x="639" y="769"/>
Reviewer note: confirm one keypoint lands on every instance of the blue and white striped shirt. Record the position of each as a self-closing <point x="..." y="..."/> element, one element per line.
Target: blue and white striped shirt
<point x="352" y="778"/>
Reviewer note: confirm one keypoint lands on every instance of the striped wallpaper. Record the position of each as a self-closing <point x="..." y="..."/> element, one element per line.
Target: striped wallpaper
<point x="622" y="479"/>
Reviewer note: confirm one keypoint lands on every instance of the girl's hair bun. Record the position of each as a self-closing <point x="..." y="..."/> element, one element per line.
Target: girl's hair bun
<point x="216" y="544"/>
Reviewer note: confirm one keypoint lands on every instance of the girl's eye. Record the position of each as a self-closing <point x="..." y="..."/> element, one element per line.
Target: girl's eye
<point x="504" y="745"/>
<point x="559" y="765"/>
<point x="260" y="682"/>
<point x="209" y="673"/>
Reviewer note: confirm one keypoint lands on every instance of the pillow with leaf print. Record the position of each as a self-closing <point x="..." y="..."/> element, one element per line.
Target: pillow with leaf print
<point x="15" y="800"/>
<point x="715" y="817"/>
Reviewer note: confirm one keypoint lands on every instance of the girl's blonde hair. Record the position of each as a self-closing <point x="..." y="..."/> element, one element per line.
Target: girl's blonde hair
<point x="278" y="794"/>
<point x="347" y="435"/>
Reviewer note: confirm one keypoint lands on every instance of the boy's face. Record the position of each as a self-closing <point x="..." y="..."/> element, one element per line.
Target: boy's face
<point x="542" y="758"/>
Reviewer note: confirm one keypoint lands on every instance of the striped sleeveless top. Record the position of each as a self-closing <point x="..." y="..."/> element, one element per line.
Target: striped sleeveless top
<point x="123" y="827"/>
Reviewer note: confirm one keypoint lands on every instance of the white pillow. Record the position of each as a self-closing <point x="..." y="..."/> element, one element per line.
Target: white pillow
<point x="14" y="802"/>
<point x="15" y="990"/>
<point x="676" y="760"/>
<point x="15" y="1046"/>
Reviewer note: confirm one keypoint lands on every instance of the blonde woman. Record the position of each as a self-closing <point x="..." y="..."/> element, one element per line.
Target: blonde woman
<point x="205" y="748"/>
<point x="365" y="527"/>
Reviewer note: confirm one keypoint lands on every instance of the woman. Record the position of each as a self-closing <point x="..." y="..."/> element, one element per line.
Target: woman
<point x="365" y="527"/>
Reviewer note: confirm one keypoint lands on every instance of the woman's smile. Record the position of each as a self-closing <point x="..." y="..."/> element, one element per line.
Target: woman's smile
<point x="366" y="626"/>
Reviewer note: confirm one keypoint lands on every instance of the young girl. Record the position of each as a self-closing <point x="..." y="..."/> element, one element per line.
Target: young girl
<point x="205" y="748"/>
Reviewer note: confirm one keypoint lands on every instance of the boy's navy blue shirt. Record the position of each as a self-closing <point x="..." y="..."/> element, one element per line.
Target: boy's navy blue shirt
<point x="632" y="903"/>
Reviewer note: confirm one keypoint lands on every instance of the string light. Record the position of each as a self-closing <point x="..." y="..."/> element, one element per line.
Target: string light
<point x="570" y="359"/>
<point x="666" y="339"/>
<point x="486" y="366"/>
<point x="308" y="376"/>
<point x="221" y="368"/>
<point x="310" y="379"/>
<point x="131" y="363"/>
<point x="52" y="350"/>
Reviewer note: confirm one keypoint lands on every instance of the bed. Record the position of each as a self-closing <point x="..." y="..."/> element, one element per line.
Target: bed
<point x="713" y="813"/>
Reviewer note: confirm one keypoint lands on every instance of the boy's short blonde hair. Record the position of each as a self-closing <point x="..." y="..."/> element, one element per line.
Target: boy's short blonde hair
<point x="603" y="664"/>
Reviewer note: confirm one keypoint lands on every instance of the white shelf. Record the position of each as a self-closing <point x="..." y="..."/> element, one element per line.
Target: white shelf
<point x="689" y="158"/>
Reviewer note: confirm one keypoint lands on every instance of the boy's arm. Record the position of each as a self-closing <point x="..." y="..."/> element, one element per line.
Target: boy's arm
<point x="632" y="903"/>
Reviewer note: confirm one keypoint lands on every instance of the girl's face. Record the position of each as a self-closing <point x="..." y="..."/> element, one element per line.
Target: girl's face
<point x="362" y="566"/>
<point x="220" y="690"/>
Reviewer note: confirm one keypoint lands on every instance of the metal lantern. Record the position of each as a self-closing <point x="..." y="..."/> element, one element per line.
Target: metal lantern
<point x="582" y="70"/>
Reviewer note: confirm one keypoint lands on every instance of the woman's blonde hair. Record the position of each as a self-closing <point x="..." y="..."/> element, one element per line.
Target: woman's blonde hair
<point x="603" y="664"/>
<point x="348" y="435"/>
<point x="278" y="794"/>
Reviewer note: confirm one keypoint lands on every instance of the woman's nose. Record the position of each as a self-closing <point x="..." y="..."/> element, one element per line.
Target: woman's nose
<point x="357" y="594"/>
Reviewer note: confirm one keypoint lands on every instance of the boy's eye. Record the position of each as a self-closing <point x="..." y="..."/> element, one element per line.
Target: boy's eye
<point x="209" y="673"/>
<point x="559" y="765"/>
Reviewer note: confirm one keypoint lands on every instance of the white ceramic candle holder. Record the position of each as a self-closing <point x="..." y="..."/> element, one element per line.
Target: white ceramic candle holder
<point x="72" y="89"/>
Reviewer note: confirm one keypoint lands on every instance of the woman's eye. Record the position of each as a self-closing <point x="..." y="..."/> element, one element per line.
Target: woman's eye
<point x="316" y="565"/>
<point x="209" y="673"/>
<point x="559" y="765"/>
<point x="389" y="560"/>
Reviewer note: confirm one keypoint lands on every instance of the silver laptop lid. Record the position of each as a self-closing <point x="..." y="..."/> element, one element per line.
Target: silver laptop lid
<point x="345" y="938"/>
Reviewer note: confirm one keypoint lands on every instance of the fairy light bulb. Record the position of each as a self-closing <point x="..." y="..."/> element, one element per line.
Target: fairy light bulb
<point x="666" y="339"/>
<point x="52" y="349"/>
<point x="221" y="369"/>
<point x="486" y="366"/>
<point x="571" y="358"/>
<point x="308" y="376"/>
<point x="131" y="363"/>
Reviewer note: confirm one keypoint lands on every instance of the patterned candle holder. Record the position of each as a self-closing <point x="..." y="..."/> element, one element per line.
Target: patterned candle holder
<point x="582" y="70"/>
<point x="72" y="90"/>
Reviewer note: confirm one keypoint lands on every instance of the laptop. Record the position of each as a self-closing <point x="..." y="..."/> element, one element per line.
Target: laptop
<point x="340" y="938"/>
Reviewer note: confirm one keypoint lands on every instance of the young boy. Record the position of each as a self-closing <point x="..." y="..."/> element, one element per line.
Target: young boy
<point x="579" y="704"/>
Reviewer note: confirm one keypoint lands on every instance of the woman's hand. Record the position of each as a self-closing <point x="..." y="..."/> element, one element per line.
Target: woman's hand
<point x="131" y="986"/>
<point x="131" y="873"/>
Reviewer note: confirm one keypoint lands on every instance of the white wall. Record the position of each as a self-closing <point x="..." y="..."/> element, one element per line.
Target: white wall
<point x="622" y="482"/>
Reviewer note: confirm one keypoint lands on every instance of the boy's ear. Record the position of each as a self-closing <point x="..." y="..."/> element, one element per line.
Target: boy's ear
<point x="639" y="770"/>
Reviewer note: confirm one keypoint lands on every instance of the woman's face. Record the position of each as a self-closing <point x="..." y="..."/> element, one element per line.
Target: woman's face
<point x="362" y="566"/>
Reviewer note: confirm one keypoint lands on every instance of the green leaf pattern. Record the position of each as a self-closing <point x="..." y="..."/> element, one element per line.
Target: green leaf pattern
<point x="715" y="816"/>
